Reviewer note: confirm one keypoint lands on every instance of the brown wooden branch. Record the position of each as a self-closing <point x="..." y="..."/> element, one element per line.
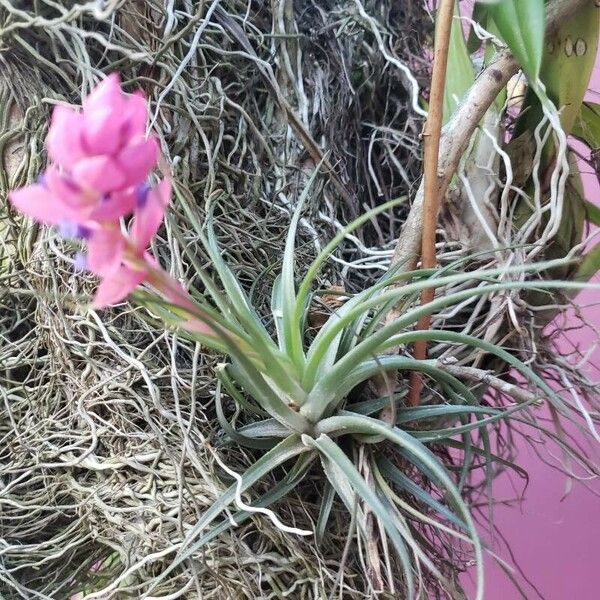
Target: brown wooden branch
<point x="431" y="194"/>
<point x="489" y="380"/>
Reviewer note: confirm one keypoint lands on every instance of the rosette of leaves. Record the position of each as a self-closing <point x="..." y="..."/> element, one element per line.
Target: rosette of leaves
<point x="297" y="401"/>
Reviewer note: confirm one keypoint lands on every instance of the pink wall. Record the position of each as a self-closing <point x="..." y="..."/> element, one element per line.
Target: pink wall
<point x="554" y="540"/>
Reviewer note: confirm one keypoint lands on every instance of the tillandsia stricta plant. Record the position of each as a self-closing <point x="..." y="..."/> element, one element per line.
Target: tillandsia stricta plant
<point x="295" y="393"/>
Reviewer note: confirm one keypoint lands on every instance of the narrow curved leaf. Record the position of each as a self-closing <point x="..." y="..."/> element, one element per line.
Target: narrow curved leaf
<point x="344" y="477"/>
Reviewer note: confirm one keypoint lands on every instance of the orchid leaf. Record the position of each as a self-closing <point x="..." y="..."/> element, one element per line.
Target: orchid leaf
<point x="520" y="24"/>
<point x="461" y="75"/>
<point x="590" y="264"/>
<point x="587" y="125"/>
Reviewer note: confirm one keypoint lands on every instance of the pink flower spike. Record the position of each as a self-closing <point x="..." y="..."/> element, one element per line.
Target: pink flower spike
<point x="117" y="286"/>
<point x="102" y="130"/>
<point x="104" y="147"/>
<point x="197" y="326"/>
<point x="65" y="136"/>
<point x="67" y="192"/>
<point x="136" y="114"/>
<point x="105" y="115"/>
<point x="149" y="214"/>
<point x="107" y="93"/>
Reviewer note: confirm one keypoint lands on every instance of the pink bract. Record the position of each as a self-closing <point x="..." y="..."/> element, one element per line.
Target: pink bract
<point x="123" y="262"/>
<point x="57" y="198"/>
<point x="104" y="146"/>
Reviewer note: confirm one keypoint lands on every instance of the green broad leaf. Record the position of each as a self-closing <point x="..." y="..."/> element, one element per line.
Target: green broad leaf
<point x="592" y="213"/>
<point x="587" y="125"/>
<point x="569" y="60"/>
<point x="481" y="16"/>
<point x="521" y="26"/>
<point x="460" y="75"/>
<point x="590" y="264"/>
<point x="567" y="65"/>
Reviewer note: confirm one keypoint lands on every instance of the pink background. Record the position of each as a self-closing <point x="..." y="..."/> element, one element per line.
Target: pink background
<point x="555" y="541"/>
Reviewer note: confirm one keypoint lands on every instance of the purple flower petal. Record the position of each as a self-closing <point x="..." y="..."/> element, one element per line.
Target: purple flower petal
<point x="69" y="229"/>
<point x="80" y="262"/>
<point x="141" y="194"/>
<point x="148" y="218"/>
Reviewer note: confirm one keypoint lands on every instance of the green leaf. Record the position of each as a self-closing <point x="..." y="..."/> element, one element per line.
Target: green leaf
<point x="291" y="321"/>
<point x="378" y="342"/>
<point x="567" y="65"/>
<point x="345" y="477"/>
<point x="480" y="16"/>
<point x="590" y="264"/>
<point x="238" y="397"/>
<point x="238" y="437"/>
<point x="587" y="125"/>
<point x="592" y="213"/>
<point x="277" y="312"/>
<point x="279" y="490"/>
<point x="391" y="472"/>
<point x="325" y="511"/>
<point x="460" y="75"/>
<point x="521" y="26"/>
<point x="313" y="270"/>
<point x="266" y="428"/>
<point x="422" y="458"/>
